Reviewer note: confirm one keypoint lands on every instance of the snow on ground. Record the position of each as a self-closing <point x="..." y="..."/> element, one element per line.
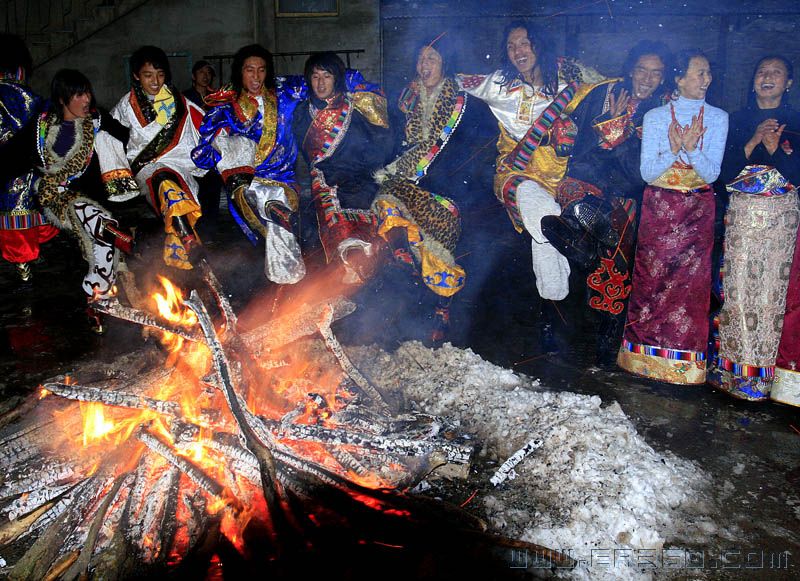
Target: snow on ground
<point x="595" y="490"/>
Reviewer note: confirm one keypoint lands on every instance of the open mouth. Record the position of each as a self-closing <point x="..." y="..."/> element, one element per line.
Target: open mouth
<point x="767" y="86"/>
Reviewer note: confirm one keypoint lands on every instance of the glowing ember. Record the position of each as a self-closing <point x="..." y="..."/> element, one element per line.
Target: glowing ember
<point x="218" y="434"/>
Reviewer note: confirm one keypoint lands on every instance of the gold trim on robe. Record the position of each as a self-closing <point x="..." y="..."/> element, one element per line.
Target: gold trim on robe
<point x="545" y="167"/>
<point x="372" y="106"/>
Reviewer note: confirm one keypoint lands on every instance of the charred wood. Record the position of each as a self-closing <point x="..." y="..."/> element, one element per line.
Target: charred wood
<point x="37" y="561"/>
<point x="324" y="326"/>
<point x="82" y="562"/>
<point x="197" y="475"/>
<point x="289" y="328"/>
<point x="269" y="482"/>
<point x="113" y="398"/>
<point x="14" y="529"/>
<point x="224" y="305"/>
<point x="454" y="452"/>
<point x="114" y="308"/>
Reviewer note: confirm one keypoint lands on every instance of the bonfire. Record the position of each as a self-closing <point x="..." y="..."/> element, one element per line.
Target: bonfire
<point x="239" y="443"/>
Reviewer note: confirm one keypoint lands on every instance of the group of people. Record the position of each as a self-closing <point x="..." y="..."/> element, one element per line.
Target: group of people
<point x="612" y="179"/>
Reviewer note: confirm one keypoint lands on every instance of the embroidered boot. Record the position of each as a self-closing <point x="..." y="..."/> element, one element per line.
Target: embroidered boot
<point x="111" y="233"/>
<point x="96" y="319"/>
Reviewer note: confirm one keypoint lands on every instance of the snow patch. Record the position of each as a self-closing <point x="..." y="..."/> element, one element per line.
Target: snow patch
<point x="595" y="489"/>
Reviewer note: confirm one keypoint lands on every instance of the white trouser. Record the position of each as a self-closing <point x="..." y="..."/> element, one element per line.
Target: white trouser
<point x="102" y="272"/>
<point x="549" y="265"/>
<point x="283" y="261"/>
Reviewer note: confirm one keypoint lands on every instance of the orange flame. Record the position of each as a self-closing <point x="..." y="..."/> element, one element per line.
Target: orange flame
<point x="95" y="425"/>
<point x="170" y="307"/>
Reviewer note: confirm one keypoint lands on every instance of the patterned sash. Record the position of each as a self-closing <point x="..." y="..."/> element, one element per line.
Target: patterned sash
<point x="448" y="110"/>
<point x="331" y="135"/>
<point x="165" y="138"/>
<point x="520" y="157"/>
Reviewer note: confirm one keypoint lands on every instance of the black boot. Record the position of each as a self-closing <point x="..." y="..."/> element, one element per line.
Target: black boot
<point x="609" y="339"/>
<point x="190" y="241"/>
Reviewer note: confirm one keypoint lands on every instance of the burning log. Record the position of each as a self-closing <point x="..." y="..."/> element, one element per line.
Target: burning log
<point x="289" y="328"/>
<point x="37" y="561"/>
<point x="30" y="501"/>
<point x="258" y="447"/>
<point x="114" y="308"/>
<point x="13" y="529"/>
<point x="219" y="296"/>
<point x="81" y="564"/>
<point x="333" y="344"/>
<point x="112" y="398"/>
<point x="456" y="453"/>
<point x="41" y="476"/>
<point x="199" y="477"/>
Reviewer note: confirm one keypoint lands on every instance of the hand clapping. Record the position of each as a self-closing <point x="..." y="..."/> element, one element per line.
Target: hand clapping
<point x="771" y="137"/>
<point x="618" y="106"/>
<point x="686" y="136"/>
<point x="694" y="132"/>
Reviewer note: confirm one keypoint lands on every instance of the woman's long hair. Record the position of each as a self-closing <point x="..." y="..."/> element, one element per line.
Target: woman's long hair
<point x="751" y="94"/>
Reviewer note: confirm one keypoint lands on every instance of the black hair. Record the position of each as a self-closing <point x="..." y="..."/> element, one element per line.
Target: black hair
<point x="330" y="62"/>
<point x="150" y="55"/>
<point x="683" y="59"/>
<point x="545" y="60"/>
<point x="244" y="53"/>
<point x="66" y="84"/>
<point x="202" y="64"/>
<point x="751" y="96"/>
<point x="648" y="48"/>
<point x="775" y="57"/>
<point x="446" y="50"/>
<point x="14" y="55"/>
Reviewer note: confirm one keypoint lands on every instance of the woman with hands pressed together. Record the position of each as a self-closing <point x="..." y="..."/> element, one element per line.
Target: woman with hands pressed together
<point x="759" y="323"/>
<point x="682" y="148"/>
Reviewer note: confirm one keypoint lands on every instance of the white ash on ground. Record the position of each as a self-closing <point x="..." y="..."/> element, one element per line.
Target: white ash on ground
<point x="595" y="489"/>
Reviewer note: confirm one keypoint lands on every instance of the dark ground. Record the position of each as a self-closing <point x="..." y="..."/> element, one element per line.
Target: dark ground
<point x="751" y="450"/>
